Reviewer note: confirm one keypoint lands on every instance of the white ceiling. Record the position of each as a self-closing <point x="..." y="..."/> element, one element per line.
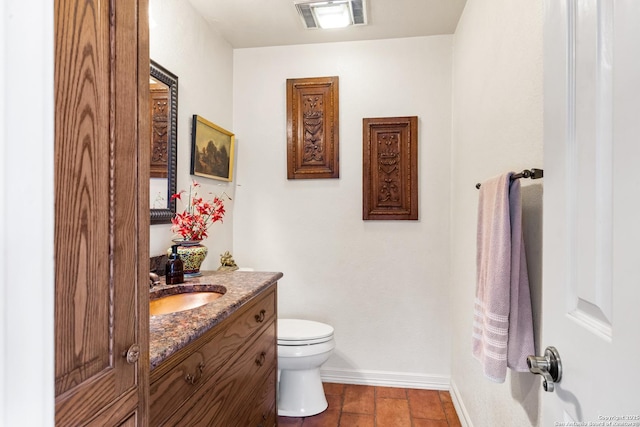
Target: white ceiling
<point x="259" y="23"/>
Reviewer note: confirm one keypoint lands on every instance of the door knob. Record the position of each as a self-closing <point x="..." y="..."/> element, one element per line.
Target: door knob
<point x="549" y="366"/>
<point x="132" y="354"/>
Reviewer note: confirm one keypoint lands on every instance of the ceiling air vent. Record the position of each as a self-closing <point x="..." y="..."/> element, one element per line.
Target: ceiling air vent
<point x="332" y="14"/>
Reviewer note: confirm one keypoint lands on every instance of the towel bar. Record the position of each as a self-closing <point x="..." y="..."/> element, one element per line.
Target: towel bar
<point x="532" y="173"/>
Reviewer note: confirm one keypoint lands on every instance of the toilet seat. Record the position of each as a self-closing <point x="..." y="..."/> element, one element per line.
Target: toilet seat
<point x="296" y="332"/>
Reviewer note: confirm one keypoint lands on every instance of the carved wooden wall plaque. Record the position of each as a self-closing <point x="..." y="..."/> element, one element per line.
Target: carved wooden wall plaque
<point x="312" y="128"/>
<point x="159" y="130"/>
<point x="390" y="168"/>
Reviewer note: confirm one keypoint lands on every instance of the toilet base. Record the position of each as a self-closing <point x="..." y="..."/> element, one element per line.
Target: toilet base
<point x="300" y="393"/>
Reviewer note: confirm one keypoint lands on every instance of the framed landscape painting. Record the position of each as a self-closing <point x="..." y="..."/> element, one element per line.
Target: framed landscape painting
<point x="212" y="150"/>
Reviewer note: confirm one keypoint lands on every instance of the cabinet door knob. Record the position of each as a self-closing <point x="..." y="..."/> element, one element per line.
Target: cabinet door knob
<point x="192" y="379"/>
<point x="260" y="317"/>
<point x="261" y="359"/>
<point x="132" y="354"/>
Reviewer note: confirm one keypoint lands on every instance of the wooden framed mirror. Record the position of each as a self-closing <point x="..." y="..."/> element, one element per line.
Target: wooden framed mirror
<point x="163" y="87"/>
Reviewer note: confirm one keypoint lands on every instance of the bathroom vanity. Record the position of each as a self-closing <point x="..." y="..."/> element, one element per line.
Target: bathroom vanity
<point x="216" y="364"/>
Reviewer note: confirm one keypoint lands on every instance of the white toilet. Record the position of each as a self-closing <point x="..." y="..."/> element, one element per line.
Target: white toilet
<point x="303" y="346"/>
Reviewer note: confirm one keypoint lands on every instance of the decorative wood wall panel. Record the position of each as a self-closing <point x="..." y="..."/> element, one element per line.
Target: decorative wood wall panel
<point x="390" y="168"/>
<point x="312" y="128"/>
<point x="159" y="130"/>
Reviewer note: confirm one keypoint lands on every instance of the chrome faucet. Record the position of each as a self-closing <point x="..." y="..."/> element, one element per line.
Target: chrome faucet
<point x="154" y="279"/>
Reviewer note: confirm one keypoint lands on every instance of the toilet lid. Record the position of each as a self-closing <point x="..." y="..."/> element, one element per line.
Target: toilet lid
<point x="302" y="332"/>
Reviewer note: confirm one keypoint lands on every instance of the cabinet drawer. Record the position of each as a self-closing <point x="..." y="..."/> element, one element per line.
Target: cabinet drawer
<point x="223" y="400"/>
<point x="169" y="392"/>
<point x="263" y="414"/>
<point x="175" y="381"/>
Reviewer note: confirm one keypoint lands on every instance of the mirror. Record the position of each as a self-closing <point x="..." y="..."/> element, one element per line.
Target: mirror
<point x="163" y="87"/>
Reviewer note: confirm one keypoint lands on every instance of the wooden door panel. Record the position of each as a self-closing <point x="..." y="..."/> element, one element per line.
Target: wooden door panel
<point x="82" y="193"/>
<point x="125" y="161"/>
<point x="122" y="412"/>
<point x="97" y="218"/>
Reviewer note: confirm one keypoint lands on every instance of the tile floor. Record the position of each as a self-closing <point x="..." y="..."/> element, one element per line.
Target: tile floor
<point x="372" y="406"/>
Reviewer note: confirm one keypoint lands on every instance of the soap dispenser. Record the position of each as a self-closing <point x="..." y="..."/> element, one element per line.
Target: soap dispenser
<point x="174" y="270"/>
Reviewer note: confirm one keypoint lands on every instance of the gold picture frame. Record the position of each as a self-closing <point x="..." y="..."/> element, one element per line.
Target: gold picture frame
<point x="212" y="150"/>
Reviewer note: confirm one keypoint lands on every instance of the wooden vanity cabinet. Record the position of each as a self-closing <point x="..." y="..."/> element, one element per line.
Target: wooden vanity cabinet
<point x="227" y="377"/>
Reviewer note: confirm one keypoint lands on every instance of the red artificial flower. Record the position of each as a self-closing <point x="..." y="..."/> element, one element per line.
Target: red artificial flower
<point x="177" y="196"/>
<point x="194" y="221"/>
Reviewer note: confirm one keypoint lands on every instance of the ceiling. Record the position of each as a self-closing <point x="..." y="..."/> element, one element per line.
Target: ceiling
<point x="259" y="23"/>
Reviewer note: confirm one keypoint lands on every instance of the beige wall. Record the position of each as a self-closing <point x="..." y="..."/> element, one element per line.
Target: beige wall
<point x="383" y="285"/>
<point x="399" y="293"/>
<point x="497" y="127"/>
<point x="181" y="41"/>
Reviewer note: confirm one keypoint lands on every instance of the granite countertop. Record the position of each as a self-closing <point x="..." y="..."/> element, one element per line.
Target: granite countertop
<point x="169" y="333"/>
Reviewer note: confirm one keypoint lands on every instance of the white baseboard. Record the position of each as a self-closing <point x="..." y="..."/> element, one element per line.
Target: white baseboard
<point x="463" y="415"/>
<point x="385" y="379"/>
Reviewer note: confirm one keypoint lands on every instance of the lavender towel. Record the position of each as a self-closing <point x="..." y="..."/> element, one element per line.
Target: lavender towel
<point x="502" y="321"/>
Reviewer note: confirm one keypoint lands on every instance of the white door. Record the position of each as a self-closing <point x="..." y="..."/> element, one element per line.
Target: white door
<point x="591" y="293"/>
